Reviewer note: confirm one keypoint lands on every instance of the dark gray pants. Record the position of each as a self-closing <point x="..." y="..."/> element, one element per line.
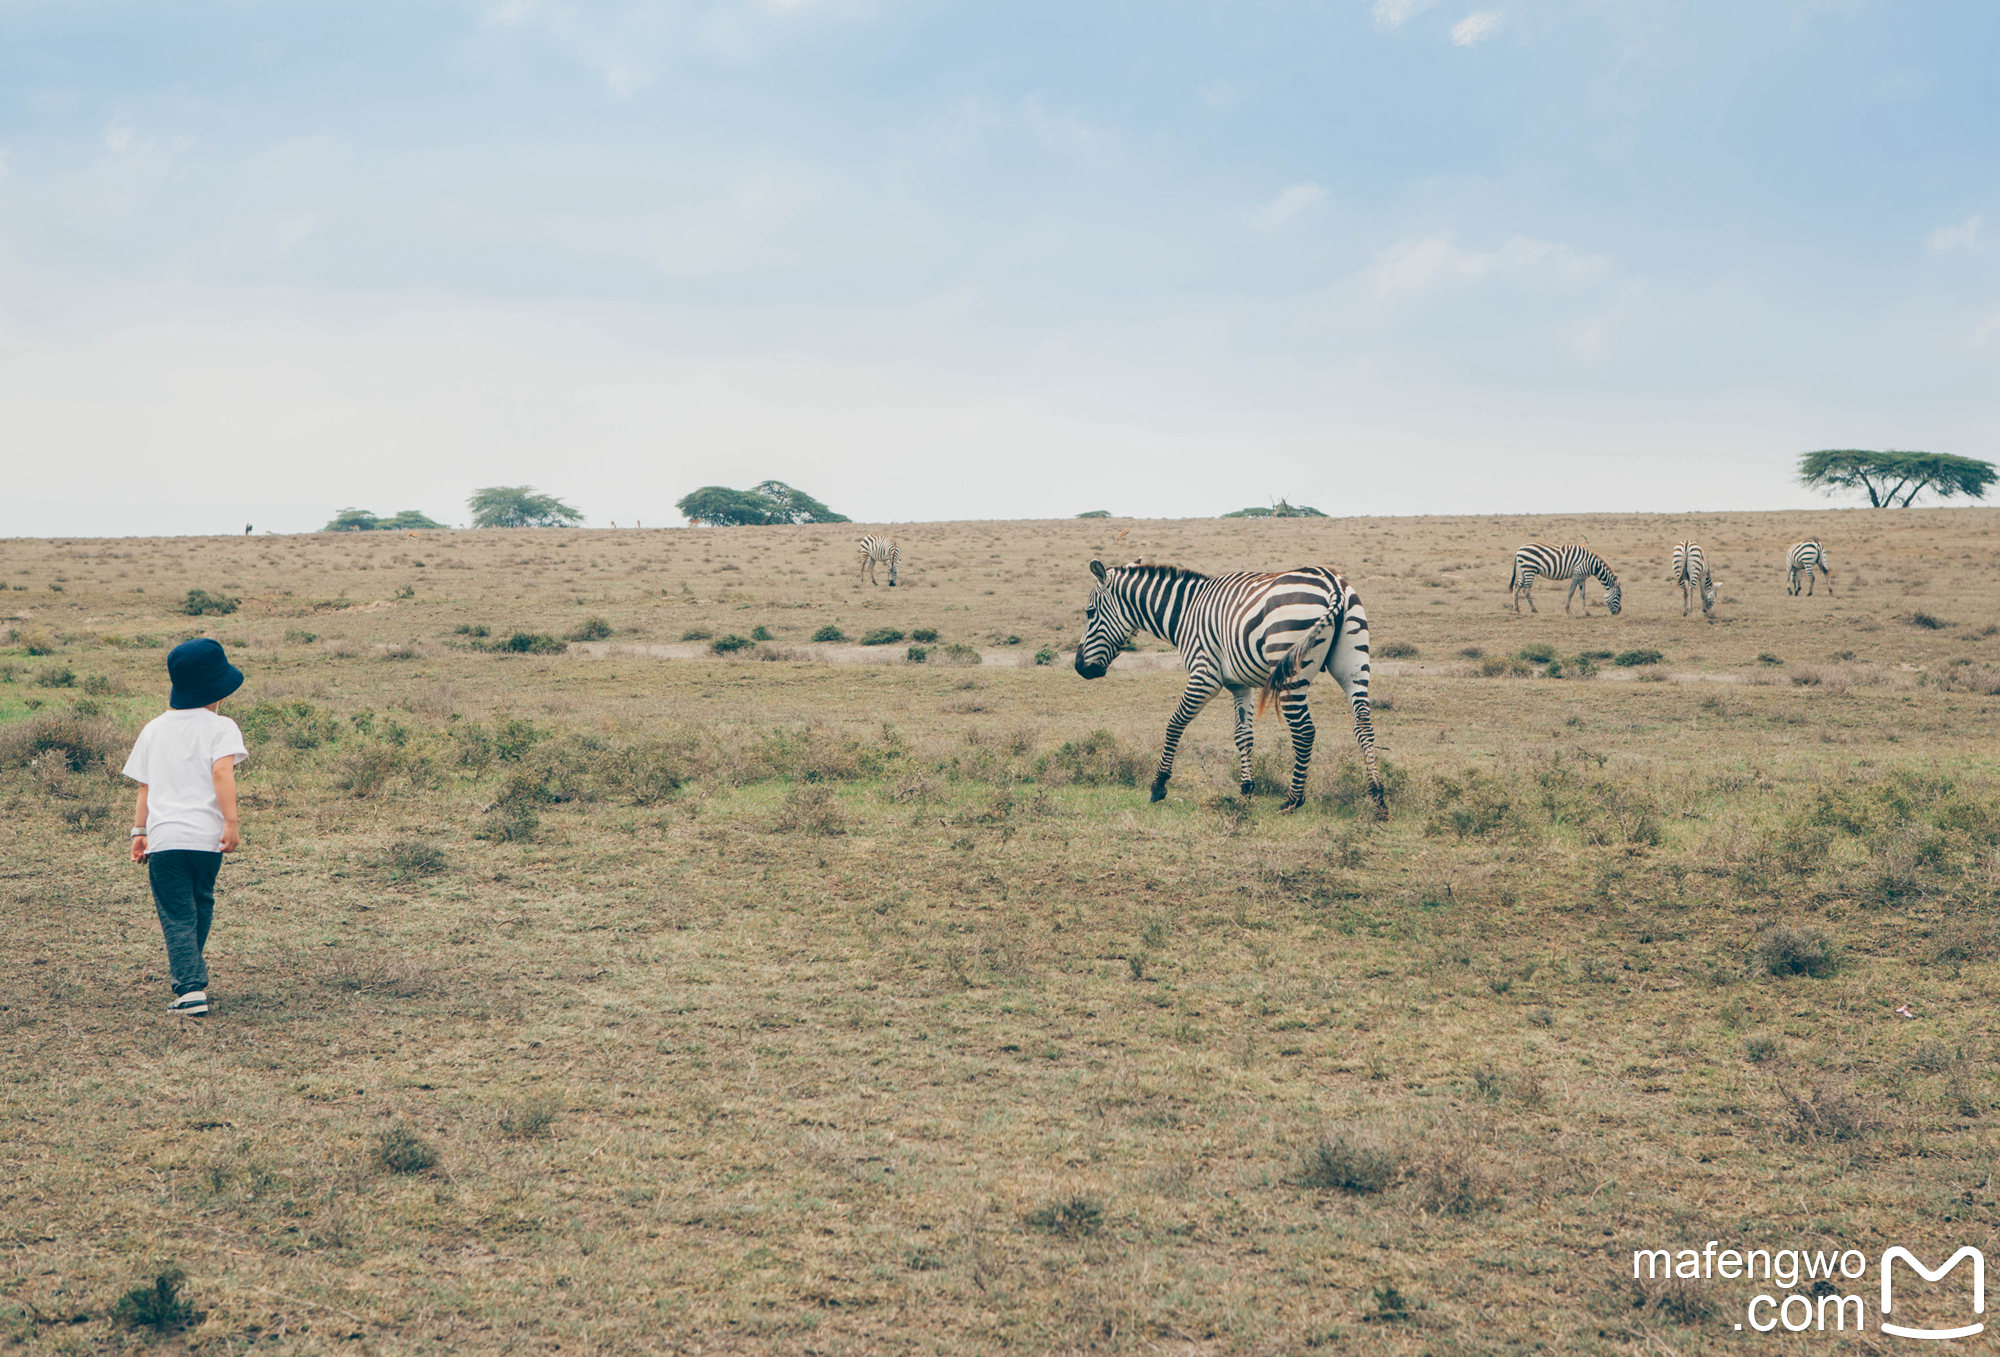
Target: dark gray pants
<point x="184" y="894"/>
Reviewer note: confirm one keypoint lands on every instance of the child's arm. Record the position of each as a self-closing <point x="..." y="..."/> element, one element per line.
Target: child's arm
<point x="225" y="797"/>
<point x="139" y="823"/>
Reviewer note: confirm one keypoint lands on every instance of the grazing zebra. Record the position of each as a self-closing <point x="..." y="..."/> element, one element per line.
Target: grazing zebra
<point x="875" y="549"/>
<point x="1805" y="562"/>
<point x="1259" y="636"/>
<point x="1573" y="563"/>
<point x="1691" y="574"/>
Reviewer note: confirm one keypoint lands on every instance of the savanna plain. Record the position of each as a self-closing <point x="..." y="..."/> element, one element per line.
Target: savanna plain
<point x="611" y="966"/>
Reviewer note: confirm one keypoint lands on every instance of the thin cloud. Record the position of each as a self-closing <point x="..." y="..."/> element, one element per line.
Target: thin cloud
<point x="1475" y="28"/>
<point x="1413" y="266"/>
<point x="1960" y="238"/>
<point x="1290" y="205"/>
<point x="1394" y="13"/>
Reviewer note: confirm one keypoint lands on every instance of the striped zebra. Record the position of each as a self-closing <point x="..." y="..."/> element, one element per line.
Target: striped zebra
<point x="1691" y="574"/>
<point x="1804" y="563"/>
<point x="875" y="549"/>
<point x="1573" y="563"/>
<point x="1259" y="636"/>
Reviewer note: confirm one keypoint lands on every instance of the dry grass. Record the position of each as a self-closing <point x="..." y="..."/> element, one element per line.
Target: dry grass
<point x="784" y="1006"/>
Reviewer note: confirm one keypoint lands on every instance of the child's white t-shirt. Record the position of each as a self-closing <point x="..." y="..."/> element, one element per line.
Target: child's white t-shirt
<point x="175" y="757"/>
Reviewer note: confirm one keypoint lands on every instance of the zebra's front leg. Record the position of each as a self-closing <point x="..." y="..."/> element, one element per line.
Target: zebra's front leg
<point x="1201" y="686"/>
<point x="1293" y="705"/>
<point x="1246" y="737"/>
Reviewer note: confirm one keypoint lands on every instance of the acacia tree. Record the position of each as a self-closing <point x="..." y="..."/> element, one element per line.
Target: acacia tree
<point x="1884" y="476"/>
<point x="1281" y="509"/>
<point x="763" y="503"/>
<point x="518" y="506"/>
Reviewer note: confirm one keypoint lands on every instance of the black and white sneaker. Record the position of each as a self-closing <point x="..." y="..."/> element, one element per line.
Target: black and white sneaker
<point x="192" y="1004"/>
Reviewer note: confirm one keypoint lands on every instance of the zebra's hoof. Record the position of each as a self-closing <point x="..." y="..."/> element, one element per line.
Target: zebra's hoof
<point x="1291" y="805"/>
<point x="1159" y="791"/>
<point x="1248" y="787"/>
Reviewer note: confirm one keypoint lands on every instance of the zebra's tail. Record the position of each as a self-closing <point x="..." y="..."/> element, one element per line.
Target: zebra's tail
<point x="1294" y="660"/>
<point x="1514" y="580"/>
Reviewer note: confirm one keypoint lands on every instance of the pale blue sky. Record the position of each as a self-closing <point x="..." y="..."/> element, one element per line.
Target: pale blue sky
<point x="930" y="261"/>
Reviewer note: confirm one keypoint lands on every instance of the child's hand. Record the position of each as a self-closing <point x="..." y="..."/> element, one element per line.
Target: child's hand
<point x="139" y="848"/>
<point x="231" y="840"/>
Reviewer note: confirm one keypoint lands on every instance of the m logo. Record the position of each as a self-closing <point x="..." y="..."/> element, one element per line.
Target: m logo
<point x="1978" y="1291"/>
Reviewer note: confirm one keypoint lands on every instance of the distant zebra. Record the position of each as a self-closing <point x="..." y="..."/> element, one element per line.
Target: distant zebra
<point x="1259" y="636"/>
<point x="875" y="549"/>
<point x="1691" y="574"/>
<point x="1573" y="563"/>
<point x="1805" y="562"/>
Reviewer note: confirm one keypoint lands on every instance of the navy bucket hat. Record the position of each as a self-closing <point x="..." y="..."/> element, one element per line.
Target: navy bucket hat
<point x="201" y="674"/>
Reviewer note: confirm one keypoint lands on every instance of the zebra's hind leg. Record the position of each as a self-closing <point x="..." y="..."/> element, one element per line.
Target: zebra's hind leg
<point x="1201" y="686"/>
<point x="1299" y="718"/>
<point x="1246" y="738"/>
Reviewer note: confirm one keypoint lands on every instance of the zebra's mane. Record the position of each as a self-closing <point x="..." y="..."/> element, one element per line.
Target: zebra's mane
<point x="1154" y="570"/>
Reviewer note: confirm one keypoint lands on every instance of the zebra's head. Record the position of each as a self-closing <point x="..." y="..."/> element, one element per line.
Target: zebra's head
<point x="1105" y="627"/>
<point x="1614" y="593"/>
<point x="893" y="554"/>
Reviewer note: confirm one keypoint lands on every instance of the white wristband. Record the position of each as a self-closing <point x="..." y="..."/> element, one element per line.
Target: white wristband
<point x="138" y="833"/>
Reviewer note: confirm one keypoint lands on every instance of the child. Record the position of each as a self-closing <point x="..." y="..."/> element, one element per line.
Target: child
<point x="185" y="765"/>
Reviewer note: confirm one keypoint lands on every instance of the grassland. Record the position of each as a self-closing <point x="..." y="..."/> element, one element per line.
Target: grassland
<point x="591" y="1001"/>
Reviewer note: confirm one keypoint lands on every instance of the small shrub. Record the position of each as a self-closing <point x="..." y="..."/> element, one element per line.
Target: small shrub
<point x="97" y="685"/>
<point x="760" y="632"/>
<point x="1630" y="659"/>
<point x="414" y="857"/>
<point x="1097" y="760"/>
<point x="882" y="636"/>
<point x="201" y="603"/>
<point x="591" y="629"/>
<point x="917" y="654"/>
<point x="36" y="642"/>
<point x="1342" y="1163"/>
<point x="1797" y="951"/>
<point x="366" y="770"/>
<point x="1398" y="650"/>
<point x="1766" y="657"/>
<point x="82" y="743"/>
<point x="1472" y="653"/>
<point x="925" y="634"/>
<point x="1449" y="1181"/>
<point x="1541" y="1017"/>
<point x="1231" y="809"/>
<point x="957" y="653"/>
<point x="1830" y="1112"/>
<point x="1072" y="1218"/>
<point x="462" y="629"/>
<point x="810" y="810"/>
<point x="1535" y="654"/>
<point x="1929" y="622"/>
<point x="158" y="1307"/>
<point x="401" y="1150"/>
<point x="730" y="644"/>
<point x="56" y="677"/>
<point x="696" y="634"/>
<point x="829" y="633"/>
<point x="1045" y="655"/>
<point x="531" y="1117"/>
<point x="1760" y="1050"/>
<point x="532" y="643"/>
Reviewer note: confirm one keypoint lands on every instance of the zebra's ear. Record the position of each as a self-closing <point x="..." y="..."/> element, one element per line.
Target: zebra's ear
<point x="1097" y="569"/>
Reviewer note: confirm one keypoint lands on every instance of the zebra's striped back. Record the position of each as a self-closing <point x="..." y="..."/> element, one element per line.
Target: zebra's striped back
<point x="1804" y="563"/>
<point x="875" y="548"/>
<point x="1571" y="562"/>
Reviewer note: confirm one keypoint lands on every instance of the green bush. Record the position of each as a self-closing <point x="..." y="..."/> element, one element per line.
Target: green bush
<point x="1097" y="760"/>
<point x="83" y="743"/>
<point x="532" y="643"/>
<point x="1630" y="658"/>
<point x="730" y="644"/>
<point x="696" y="634"/>
<point x="1536" y="654"/>
<point x="63" y="677"/>
<point x="1339" y="1163"/>
<point x="401" y="1150"/>
<point x="1398" y="650"/>
<point x="829" y="632"/>
<point x="1797" y="951"/>
<point x="760" y="632"/>
<point x="925" y="634"/>
<point x="158" y="1306"/>
<point x="592" y="629"/>
<point x="882" y="636"/>
<point x="200" y="603"/>
<point x="462" y="629"/>
<point x="1072" y="1218"/>
<point x="298" y="723"/>
<point x="1045" y="655"/>
<point x="958" y="653"/>
<point x="917" y="654"/>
